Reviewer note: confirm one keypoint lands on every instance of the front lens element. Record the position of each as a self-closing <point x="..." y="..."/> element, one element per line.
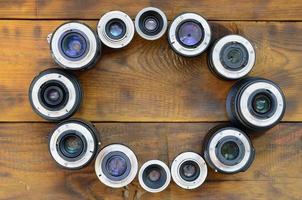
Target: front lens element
<point x="74" y="45"/>
<point x="230" y="150"/>
<point x="190" y="33"/>
<point x="116" y="166"/>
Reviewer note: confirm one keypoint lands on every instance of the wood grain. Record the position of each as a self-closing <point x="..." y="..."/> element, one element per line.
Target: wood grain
<point x="278" y="10"/>
<point x="28" y="172"/>
<point x="147" y="81"/>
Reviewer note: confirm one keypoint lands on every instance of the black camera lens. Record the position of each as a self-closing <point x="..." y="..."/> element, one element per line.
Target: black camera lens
<point x="232" y="57"/>
<point x="154" y="176"/>
<point x="74" y="46"/>
<point x="228" y="150"/>
<point x="73" y="143"/>
<point x="151" y="23"/>
<point x="55" y="94"/>
<point x="116" y="166"/>
<point x="255" y="103"/>
<point x="115" y="29"/>
<point x="189" y="34"/>
<point x="189" y="170"/>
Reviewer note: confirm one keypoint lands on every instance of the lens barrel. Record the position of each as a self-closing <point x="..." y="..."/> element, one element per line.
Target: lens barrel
<point x="228" y="150"/>
<point x="255" y="103"/>
<point x="73" y="143"/>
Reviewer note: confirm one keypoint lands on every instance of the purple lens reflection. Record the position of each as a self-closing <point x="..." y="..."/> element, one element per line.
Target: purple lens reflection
<point x="190" y="33"/>
<point x="116" y="166"/>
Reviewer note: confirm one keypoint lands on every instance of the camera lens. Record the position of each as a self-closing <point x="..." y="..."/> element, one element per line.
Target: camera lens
<point x="189" y="34"/>
<point x="151" y="23"/>
<point x="232" y="57"/>
<point x="115" y="29"/>
<point x="255" y="103"/>
<point x="228" y="150"/>
<point x="74" y="46"/>
<point x="55" y="94"/>
<point x="116" y="166"/>
<point x="189" y="170"/>
<point x="73" y="143"/>
<point x="154" y="176"/>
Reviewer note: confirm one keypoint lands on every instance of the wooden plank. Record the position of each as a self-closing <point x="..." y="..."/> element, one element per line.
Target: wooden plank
<point x="147" y="81"/>
<point x="222" y="10"/>
<point x="28" y="172"/>
<point x="18" y="9"/>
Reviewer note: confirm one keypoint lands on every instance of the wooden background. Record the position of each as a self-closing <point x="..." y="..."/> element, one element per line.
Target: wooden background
<point x="150" y="99"/>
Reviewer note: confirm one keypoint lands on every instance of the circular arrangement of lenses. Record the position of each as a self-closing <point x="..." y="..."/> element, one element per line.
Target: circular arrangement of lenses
<point x="116" y="165"/>
<point x="154" y="176"/>
<point x="55" y="94"/>
<point x="151" y="23"/>
<point x="74" y="46"/>
<point x="73" y="143"/>
<point x="189" y="34"/>
<point x="255" y="103"/>
<point x="189" y="170"/>
<point x="228" y="150"/>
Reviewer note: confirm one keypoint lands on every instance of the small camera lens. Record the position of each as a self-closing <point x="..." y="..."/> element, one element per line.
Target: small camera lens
<point x="115" y="29"/>
<point x="189" y="34"/>
<point x="116" y="166"/>
<point x="74" y="46"/>
<point x="228" y="150"/>
<point x="232" y="57"/>
<point x="189" y="170"/>
<point x="73" y="143"/>
<point x="151" y="23"/>
<point x="154" y="176"/>
<point x="255" y="103"/>
<point x="55" y="94"/>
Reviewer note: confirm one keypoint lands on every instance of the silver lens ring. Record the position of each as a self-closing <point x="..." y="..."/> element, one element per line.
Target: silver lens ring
<point x="164" y="23"/>
<point x="216" y="61"/>
<point x="104" y="178"/>
<point x="93" y="48"/>
<point x="177" y="46"/>
<point x="86" y="131"/>
<point x="244" y="104"/>
<point x="129" y="32"/>
<point x="217" y="137"/>
<point x="177" y="163"/>
<point x="155" y="163"/>
<point x="74" y="95"/>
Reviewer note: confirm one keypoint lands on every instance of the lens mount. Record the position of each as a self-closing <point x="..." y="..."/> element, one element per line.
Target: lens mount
<point x="124" y="24"/>
<point x="82" y="135"/>
<point x="200" y="46"/>
<point x="191" y="159"/>
<point x="228" y="150"/>
<point x="70" y="93"/>
<point x="241" y="106"/>
<point x="85" y="47"/>
<point x="221" y="64"/>
<point x="161" y="175"/>
<point x="154" y="15"/>
<point x="116" y="165"/>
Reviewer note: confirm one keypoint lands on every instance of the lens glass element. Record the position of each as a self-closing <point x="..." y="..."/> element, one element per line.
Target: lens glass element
<point x="116" y="166"/>
<point x="230" y="150"/>
<point x="234" y="56"/>
<point x="154" y="174"/>
<point x="74" y="45"/>
<point x="71" y="145"/>
<point x="53" y="95"/>
<point x="189" y="170"/>
<point x="261" y="104"/>
<point x="150" y="24"/>
<point x="190" y="33"/>
<point x="115" y="29"/>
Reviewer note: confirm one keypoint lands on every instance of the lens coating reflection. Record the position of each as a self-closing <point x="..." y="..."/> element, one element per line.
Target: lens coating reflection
<point x="71" y="145"/>
<point x="261" y="104"/>
<point x="190" y="33"/>
<point x="115" y="29"/>
<point x="74" y="45"/>
<point x="116" y="166"/>
<point x="230" y="150"/>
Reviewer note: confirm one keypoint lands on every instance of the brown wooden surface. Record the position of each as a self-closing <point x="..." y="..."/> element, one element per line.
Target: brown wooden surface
<point x="147" y="82"/>
<point x="28" y="172"/>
